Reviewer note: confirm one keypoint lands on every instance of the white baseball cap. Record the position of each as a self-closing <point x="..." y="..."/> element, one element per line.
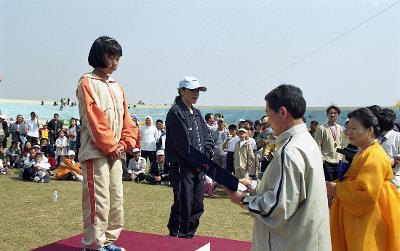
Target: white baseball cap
<point x="135" y="150"/>
<point x="160" y="152"/>
<point x="191" y="82"/>
<point x="71" y="153"/>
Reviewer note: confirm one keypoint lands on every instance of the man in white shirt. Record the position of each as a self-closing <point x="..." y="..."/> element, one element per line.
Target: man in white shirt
<point x="390" y="141"/>
<point x="137" y="166"/>
<point x="33" y="129"/>
<point x="290" y="208"/>
<point x="160" y="145"/>
<point x="210" y="121"/>
<point x="148" y="140"/>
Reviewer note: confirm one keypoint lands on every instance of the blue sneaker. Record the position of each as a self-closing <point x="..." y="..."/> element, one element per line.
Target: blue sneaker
<point x="101" y="249"/>
<point x="112" y="247"/>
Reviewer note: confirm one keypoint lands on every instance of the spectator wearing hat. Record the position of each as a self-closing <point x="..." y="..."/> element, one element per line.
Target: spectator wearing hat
<point x="185" y="128"/>
<point x="159" y="170"/>
<point x="243" y="156"/>
<point x="219" y="136"/>
<point x="69" y="169"/>
<point x="41" y="168"/>
<point x="137" y="167"/>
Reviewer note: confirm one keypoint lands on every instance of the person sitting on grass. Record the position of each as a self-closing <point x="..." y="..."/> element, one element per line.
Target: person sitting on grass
<point x="14" y="154"/>
<point x="29" y="160"/>
<point x="68" y="169"/>
<point x="136" y="167"/>
<point x="159" y="170"/>
<point x="46" y="148"/>
<point x="41" y="168"/>
<point x="27" y="147"/>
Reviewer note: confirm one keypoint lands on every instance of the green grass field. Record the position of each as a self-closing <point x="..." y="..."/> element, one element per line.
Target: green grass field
<point x="30" y="219"/>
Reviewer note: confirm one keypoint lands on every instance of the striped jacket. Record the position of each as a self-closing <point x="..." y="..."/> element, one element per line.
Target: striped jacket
<point x="290" y="206"/>
<point x="105" y="118"/>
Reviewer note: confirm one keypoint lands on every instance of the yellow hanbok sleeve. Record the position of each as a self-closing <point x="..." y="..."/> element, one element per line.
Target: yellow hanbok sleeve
<point x="359" y="194"/>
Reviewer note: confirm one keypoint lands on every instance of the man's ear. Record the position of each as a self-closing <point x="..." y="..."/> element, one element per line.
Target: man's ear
<point x="283" y="111"/>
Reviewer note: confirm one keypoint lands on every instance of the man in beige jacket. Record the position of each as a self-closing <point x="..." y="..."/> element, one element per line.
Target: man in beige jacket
<point x="290" y="208"/>
<point x="329" y="137"/>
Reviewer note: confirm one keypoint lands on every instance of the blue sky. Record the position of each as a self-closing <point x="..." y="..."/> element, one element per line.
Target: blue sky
<point x="231" y="46"/>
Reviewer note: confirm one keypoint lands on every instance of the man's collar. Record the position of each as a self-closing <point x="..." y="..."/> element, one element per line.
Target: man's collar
<point x="186" y="109"/>
<point x="297" y="129"/>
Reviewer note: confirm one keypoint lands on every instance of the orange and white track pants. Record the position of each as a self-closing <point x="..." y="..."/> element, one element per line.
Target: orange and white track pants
<point x="102" y="202"/>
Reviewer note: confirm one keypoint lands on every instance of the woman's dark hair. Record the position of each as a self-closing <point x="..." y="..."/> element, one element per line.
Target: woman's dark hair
<point x="367" y="118"/>
<point x="288" y="96"/>
<point x="334" y="107"/>
<point x="179" y="97"/>
<point x="100" y="47"/>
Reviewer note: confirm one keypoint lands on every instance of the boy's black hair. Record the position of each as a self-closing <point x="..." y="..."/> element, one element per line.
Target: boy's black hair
<point x="100" y="47"/>
<point x="159" y="120"/>
<point x="288" y="96"/>
<point x="232" y="127"/>
<point x="334" y="107"/>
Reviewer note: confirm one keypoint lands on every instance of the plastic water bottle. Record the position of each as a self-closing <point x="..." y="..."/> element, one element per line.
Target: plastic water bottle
<point x="54" y="196"/>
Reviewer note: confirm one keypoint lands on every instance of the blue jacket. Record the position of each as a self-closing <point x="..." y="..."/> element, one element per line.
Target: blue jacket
<point x="185" y="129"/>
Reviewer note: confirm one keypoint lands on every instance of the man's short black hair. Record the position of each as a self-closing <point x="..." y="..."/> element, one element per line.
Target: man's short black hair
<point x="288" y="96"/>
<point x="334" y="107"/>
<point x="100" y="47"/>
<point x="232" y="127"/>
<point x="159" y="121"/>
<point x="386" y="118"/>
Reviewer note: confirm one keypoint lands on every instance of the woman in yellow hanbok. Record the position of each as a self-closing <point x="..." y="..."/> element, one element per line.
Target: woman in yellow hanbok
<point x="365" y="214"/>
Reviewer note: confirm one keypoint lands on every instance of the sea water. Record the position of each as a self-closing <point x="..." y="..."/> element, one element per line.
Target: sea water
<point x="231" y="114"/>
